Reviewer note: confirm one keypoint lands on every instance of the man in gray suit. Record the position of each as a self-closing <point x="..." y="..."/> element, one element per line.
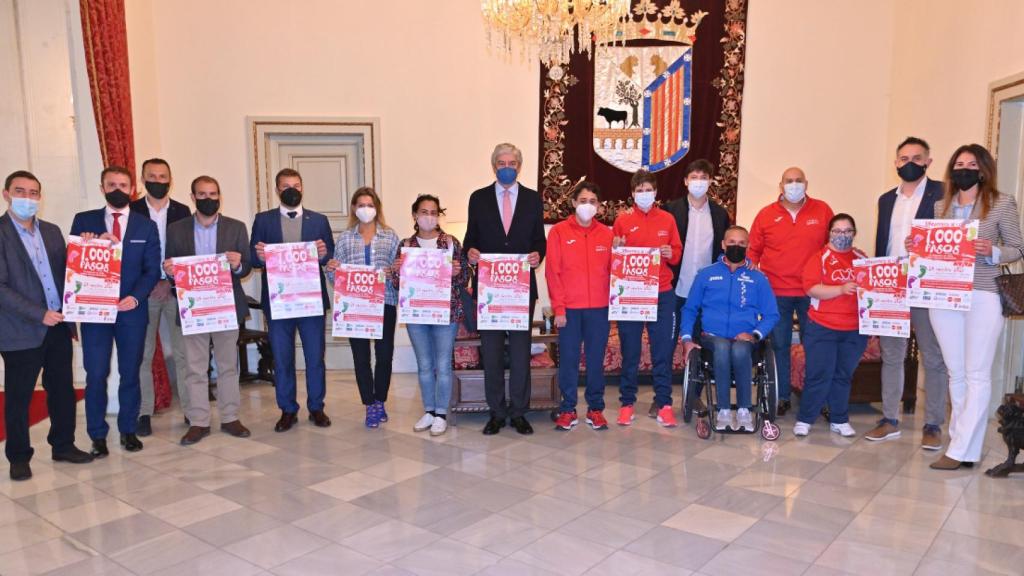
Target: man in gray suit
<point x="33" y="334"/>
<point x="209" y="232"/>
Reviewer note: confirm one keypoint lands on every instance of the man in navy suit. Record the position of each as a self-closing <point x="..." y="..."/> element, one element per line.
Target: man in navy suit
<point x="292" y="223"/>
<point x="506" y="218"/>
<point x="163" y="210"/>
<point x="915" y="197"/>
<point x="140" y="271"/>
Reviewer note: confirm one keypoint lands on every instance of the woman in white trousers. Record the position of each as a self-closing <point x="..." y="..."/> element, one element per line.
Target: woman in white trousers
<point x="968" y="339"/>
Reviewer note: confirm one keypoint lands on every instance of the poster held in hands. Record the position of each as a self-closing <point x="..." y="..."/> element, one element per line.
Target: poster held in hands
<point x="293" y="280"/>
<point x="425" y="286"/>
<point x="206" y="297"/>
<point x="882" y="306"/>
<point x="503" y="286"/>
<point x="633" y="288"/>
<point x="358" y="302"/>
<point x="940" y="273"/>
<point x="92" y="282"/>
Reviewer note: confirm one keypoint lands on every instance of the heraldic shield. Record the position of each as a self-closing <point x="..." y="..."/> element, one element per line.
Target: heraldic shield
<point x="642" y="105"/>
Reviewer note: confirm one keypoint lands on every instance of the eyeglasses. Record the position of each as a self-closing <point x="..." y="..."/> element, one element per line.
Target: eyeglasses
<point x="843" y="232"/>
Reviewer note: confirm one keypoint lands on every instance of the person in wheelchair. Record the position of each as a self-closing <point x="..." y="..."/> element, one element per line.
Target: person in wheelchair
<point x="737" y="309"/>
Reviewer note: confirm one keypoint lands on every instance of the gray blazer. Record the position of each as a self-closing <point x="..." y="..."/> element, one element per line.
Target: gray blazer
<point x="1002" y="227"/>
<point x="22" y="300"/>
<point x="232" y="236"/>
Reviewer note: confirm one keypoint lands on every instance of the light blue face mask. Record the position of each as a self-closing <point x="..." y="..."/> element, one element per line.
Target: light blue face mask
<point x="24" y="208"/>
<point x="507" y="176"/>
<point x="842" y="242"/>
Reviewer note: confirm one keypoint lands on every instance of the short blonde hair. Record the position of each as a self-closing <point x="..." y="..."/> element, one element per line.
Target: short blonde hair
<point x="506" y="148"/>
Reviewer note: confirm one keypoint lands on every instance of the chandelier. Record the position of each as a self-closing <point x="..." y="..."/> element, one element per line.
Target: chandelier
<point x="552" y="29"/>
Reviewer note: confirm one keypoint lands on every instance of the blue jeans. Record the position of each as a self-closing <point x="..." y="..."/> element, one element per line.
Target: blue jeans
<point x="733" y="360"/>
<point x="589" y="327"/>
<point x="282" y="342"/>
<point x="433" y="346"/>
<point x="832" y="356"/>
<point x="782" y="336"/>
<point x="659" y="335"/>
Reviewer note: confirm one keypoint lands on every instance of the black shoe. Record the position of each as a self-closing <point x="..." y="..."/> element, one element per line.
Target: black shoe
<point x="99" y="448"/>
<point x="783" y="407"/>
<point x="20" y="471"/>
<point x="522" y="426"/>
<point x="143" y="427"/>
<point x="319" y="419"/>
<point x="493" y="426"/>
<point x="74" y="456"/>
<point x="967" y="464"/>
<point x="131" y="442"/>
<point x="285" y="423"/>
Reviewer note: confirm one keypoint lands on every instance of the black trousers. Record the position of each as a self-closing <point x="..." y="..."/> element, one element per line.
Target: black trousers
<point x="492" y="355"/>
<point x="375" y="382"/>
<point x="22" y="369"/>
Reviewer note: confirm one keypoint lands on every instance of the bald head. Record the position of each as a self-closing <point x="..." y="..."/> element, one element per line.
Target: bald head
<point x="793" y="174"/>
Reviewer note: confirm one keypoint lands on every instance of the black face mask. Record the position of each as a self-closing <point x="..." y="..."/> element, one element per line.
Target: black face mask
<point x="208" y="206"/>
<point x="158" y="189"/>
<point x="735" y="253"/>
<point x="291" y="197"/>
<point x="118" y="199"/>
<point x="965" y="178"/>
<point x="911" y="172"/>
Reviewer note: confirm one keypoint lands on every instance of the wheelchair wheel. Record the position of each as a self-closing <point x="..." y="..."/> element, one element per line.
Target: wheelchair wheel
<point x="770" y="387"/>
<point x="770" y="430"/>
<point x="692" y="377"/>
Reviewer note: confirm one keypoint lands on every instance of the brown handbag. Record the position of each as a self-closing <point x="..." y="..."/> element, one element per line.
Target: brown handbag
<point x="1011" y="291"/>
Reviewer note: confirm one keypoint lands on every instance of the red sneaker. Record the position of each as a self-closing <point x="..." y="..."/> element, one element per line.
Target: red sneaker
<point x="626" y="416"/>
<point x="666" y="417"/>
<point x="597" y="420"/>
<point x="566" y="420"/>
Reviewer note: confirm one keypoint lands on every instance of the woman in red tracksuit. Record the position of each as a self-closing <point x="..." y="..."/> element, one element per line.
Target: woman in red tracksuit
<point x="577" y="270"/>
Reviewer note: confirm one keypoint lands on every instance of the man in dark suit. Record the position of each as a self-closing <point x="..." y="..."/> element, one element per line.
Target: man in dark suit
<point x="292" y="223"/>
<point x="701" y="223"/>
<point x="915" y="197"/>
<point x="140" y="271"/>
<point x="506" y="218"/>
<point x="163" y="210"/>
<point x="210" y="232"/>
<point x="33" y="334"/>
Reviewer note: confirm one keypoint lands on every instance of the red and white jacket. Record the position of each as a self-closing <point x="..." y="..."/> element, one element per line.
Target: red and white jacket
<point x="652" y="229"/>
<point x="781" y="244"/>
<point x="831" y="268"/>
<point x="577" y="266"/>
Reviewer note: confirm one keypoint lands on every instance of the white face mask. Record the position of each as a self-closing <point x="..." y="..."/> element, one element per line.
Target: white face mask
<point x="426" y="223"/>
<point x="644" y="200"/>
<point x="794" y="191"/>
<point x="586" y="212"/>
<point x="366" y="214"/>
<point x="698" y="188"/>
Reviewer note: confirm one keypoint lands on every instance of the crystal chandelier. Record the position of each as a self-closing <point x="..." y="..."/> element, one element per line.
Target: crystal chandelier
<point x="552" y="29"/>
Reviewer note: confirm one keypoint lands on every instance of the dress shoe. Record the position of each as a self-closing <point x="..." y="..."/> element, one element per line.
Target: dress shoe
<point x="194" y="435"/>
<point x="99" y="448"/>
<point x="20" y="471"/>
<point x="521" y="425"/>
<point x="236" y="429"/>
<point x="945" y="463"/>
<point x="318" y="418"/>
<point x="131" y="442"/>
<point x="73" y="455"/>
<point x="144" y="427"/>
<point x="782" y="407"/>
<point x="285" y="423"/>
<point x="493" y="426"/>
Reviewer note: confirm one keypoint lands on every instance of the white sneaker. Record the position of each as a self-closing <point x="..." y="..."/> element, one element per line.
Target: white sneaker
<point x="745" y="420"/>
<point x="424" y="423"/>
<point x="439" y="426"/>
<point x="844" y="429"/>
<point x="801" y="429"/>
<point x="724" y="420"/>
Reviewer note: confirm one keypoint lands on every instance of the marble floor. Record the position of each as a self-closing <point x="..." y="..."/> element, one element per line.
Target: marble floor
<point x="642" y="500"/>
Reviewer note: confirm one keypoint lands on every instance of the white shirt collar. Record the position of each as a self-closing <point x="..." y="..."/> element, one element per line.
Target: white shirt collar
<point x="124" y="211"/>
<point x="918" y="190"/>
<point x="285" y="210"/>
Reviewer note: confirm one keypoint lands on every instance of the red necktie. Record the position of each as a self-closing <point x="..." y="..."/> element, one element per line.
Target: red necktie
<point x="116" y="228"/>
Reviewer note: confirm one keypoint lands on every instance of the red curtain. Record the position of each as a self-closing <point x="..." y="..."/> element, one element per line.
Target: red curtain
<point x="106" y="57"/>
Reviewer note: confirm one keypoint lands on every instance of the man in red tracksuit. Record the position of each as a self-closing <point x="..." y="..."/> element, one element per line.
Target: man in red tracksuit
<point x="649" y="226"/>
<point x="784" y="235"/>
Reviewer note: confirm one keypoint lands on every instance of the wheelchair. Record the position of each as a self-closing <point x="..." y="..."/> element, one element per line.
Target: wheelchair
<point x="700" y="376"/>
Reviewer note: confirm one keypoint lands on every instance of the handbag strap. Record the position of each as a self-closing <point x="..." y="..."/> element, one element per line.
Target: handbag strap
<point x="1006" y="266"/>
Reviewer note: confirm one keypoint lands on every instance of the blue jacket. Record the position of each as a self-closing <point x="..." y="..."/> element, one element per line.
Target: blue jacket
<point x="730" y="303"/>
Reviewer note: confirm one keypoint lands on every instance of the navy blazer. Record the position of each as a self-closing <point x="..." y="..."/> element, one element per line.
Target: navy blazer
<point x="22" y="299"/>
<point x="266" y="228"/>
<point x="932" y="194"/>
<point x="175" y="210"/>
<point x="486" y="232"/>
<point x="140" y="257"/>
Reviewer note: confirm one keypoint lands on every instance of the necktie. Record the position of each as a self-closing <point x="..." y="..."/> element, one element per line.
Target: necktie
<point x="292" y="214"/>
<point x="116" y="228"/>
<point x="506" y="210"/>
